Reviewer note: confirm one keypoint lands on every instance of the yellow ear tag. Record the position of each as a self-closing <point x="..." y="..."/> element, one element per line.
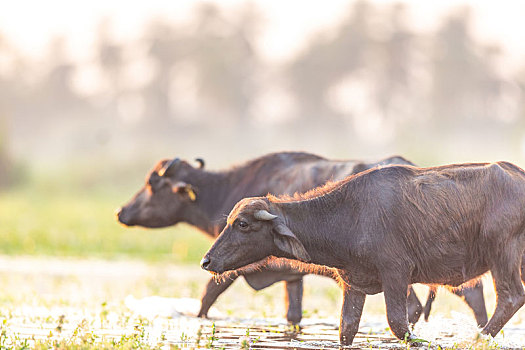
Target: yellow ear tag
<point x="191" y="193"/>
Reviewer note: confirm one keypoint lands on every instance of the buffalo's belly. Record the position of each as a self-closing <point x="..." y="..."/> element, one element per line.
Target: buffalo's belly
<point x="446" y="273"/>
<point x="365" y="281"/>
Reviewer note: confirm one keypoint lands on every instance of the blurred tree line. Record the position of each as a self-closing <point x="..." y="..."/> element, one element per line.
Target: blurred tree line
<point x="370" y="81"/>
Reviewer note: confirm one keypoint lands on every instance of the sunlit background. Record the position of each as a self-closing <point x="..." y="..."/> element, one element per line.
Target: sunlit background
<point x="93" y="94"/>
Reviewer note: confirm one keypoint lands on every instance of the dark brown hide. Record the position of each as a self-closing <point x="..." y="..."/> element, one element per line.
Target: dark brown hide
<point x="388" y="227"/>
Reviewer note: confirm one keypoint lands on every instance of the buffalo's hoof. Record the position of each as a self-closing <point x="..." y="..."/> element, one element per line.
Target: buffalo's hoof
<point x="294" y="327"/>
<point x="414" y="341"/>
<point x="484" y="340"/>
<point x="346" y="341"/>
<point x="294" y="319"/>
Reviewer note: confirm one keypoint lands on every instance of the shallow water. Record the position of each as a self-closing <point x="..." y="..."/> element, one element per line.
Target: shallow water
<point x="324" y="334"/>
<point x="194" y="333"/>
<point x="52" y="299"/>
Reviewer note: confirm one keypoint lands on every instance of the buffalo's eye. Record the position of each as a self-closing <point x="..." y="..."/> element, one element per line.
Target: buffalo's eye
<point x="156" y="184"/>
<point x="242" y="224"/>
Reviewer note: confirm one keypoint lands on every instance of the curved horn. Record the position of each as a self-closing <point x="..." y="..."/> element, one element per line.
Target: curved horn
<point x="264" y="215"/>
<point x="167" y="166"/>
<point x="201" y="162"/>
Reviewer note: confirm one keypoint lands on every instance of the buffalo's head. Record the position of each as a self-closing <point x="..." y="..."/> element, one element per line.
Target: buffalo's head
<point x="252" y="233"/>
<point x="164" y="197"/>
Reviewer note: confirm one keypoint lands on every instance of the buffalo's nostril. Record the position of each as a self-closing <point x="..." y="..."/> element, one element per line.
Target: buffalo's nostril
<point x="205" y="262"/>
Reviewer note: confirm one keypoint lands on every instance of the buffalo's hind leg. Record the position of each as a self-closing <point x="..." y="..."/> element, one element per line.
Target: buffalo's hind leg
<point x="523" y="268"/>
<point x="430" y="299"/>
<point x="414" y="306"/>
<point x="510" y="295"/>
<point x="211" y="293"/>
<point x="474" y="298"/>
<point x="353" y="302"/>
<point x="293" y="300"/>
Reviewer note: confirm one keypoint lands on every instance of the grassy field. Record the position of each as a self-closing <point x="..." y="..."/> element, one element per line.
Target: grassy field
<point x="40" y="220"/>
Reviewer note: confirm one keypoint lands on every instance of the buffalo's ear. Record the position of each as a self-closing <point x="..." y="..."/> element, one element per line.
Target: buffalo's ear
<point x="190" y="192"/>
<point x="182" y="187"/>
<point x="286" y="241"/>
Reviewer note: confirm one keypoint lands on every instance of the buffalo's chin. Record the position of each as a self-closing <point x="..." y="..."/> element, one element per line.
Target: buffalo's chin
<point x="125" y="222"/>
<point x="241" y="267"/>
<point x="152" y="224"/>
<point x="218" y="270"/>
<point x="155" y="225"/>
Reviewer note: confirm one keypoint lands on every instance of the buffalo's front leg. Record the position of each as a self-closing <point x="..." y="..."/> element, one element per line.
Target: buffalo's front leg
<point x="353" y="302"/>
<point x="395" y="289"/>
<point x="474" y="298"/>
<point x="293" y="300"/>
<point x="211" y="293"/>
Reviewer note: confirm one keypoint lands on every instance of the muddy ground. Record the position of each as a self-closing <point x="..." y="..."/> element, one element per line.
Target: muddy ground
<point x="54" y="299"/>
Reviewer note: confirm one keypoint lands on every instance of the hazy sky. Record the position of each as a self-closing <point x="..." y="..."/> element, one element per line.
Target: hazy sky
<point x="30" y="24"/>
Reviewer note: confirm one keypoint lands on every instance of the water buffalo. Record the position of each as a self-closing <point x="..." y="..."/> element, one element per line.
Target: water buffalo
<point x="388" y="227"/>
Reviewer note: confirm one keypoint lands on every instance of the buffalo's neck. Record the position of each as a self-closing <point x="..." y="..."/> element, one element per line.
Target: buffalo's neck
<point x="203" y="223"/>
<point x="312" y="223"/>
<point x="217" y="194"/>
<point x="204" y="213"/>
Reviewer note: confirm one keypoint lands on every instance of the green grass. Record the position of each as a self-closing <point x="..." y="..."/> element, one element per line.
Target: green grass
<point x="40" y="220"/>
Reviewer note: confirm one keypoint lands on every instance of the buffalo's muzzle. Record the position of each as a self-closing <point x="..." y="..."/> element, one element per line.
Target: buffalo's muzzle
<point x="205" y="263"/>
<point x="122" y="217"/>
